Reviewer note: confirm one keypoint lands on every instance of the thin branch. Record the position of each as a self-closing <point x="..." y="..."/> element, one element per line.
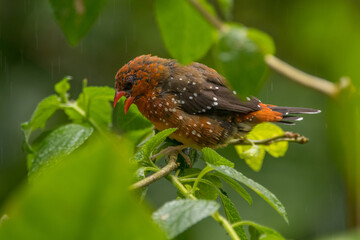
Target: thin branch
<point x="212" y="19"/>
<point x="216" y="216"/>
<point x="171" y="166"/>
<point x="322" y="85"/>
<point x="319" y="84"/>
<point x="287" y="136"/>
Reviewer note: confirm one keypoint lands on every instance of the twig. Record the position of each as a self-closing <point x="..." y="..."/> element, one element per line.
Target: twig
<point x="322" y="85"/>
<point x="287" y="136"/>
<point x="171" y="166"/>
<point x="216" y="216"/>
<point x="319" y="84"/>
<point x="212" y="19"/>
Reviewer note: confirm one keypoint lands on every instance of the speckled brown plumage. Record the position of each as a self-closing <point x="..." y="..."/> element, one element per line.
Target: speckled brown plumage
<point x="195" y="99"/>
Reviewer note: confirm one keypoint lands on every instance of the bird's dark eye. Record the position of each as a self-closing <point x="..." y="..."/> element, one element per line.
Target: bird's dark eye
<point x="128" y="86"/>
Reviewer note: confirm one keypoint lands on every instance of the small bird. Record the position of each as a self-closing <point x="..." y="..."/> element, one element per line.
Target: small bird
<point x="196" y="100"/>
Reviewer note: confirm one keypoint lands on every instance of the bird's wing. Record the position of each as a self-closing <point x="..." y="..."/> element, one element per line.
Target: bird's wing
<point x="199" y="89"/>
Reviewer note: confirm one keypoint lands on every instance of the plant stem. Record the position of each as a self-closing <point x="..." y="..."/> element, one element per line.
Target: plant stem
<point x="76" y="108"/>
<point x="171" y="166"/>
<point x="316" y="83"/>
<point x="212" y="19"/>
<point x="287" y="136"/>
<point x="216" y="216"/>
<point x="201" y="174"/>
<point x="226" y="224"/>
<point x="322" y="85"/>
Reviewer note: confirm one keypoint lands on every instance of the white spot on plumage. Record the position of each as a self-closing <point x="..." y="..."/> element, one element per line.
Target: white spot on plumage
<point x="180" y="117"/>
<point x="174" y="109"/>
<point x="182" y="102"/>
<point x="215" y="99"/>
<point x="190" y="97"/>
<point x="216" y="87"/>
<point x="163" y="120"/>
<point x="234" y="92"/>
<point x="193" y="83"/>
<point x="204" y="110"/>
<point x="208" y="123"/>
<point x="167" y="104"/>
<point x="193" y="132"/>
<point x="184" y="88"/>
<point x="247" y="98"/>
<point x="180" y="79"/>
<point x="195" y="94"/>
<point x="210" y="131"/>
<point x="208" y="107"/>
<point x="160" y="104"/>
<point x="210" y="87"/>
<point x="215" y="103"/>
<point x="166" y="109"/>
<point x="198" y="135"/>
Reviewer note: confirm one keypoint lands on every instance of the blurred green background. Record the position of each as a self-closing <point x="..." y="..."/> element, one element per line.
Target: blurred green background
<point x="318" y="36"/>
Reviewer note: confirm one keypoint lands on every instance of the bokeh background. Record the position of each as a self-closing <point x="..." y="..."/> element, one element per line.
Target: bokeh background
<point x="318" y="36"/>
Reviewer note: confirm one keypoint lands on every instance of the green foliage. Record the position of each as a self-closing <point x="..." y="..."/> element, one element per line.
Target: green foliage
<point x="86" y="198"/>
<point x="132" y="120"/>
<point x="62" y="88"/>
<point x="240" y="60"/>
<point x="212" y="157"/>
<point x="177" y="216"/>
<point x="254" y="154"/>
<point x="44" y="110"/>
<point x="187" y="36"/>
<point x="226" y="7"/>
<point x="90" y="186"/>
<point x="76" y="17"/>
<point x="260" y="190"/>
<point x="58" y="144"/>
<point x="232" y="215"/>
<point x="153" y="143"/>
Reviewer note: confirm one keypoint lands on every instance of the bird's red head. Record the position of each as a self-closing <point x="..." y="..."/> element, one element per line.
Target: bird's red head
<point x="137" y="78"/>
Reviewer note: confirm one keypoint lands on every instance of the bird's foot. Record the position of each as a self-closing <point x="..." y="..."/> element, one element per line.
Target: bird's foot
<point x="170" y="149"/>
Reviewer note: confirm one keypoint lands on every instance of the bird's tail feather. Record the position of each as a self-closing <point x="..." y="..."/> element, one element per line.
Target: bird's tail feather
<point x="287" y="113"/>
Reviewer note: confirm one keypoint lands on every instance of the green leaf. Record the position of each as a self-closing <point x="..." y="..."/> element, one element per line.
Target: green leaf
<point x="253" y="155"/>
<point x="133" y="120"/>
<point x="240" y="60"/>
<point x="76" y="17"/>
<point x="236" y="186"/>
<point x="44" y="110"/>
<point x="212" y="157"/>
<point x="94" y="101"/>
<point x="263" y="41"/>
<point x="186" y="34"/>
<point x="148" y="148"/>
<point x="62" y="87"/>
<point x="226" y="6"/>
<point x="232" y="215"/>
<point x="262" y="232"/>
<point x="176" y="216"/>
<point x="260" y="190"/>
<point x="86" y="197"/>
<point x="58" y="144"/>
<point x="269" y="130"/>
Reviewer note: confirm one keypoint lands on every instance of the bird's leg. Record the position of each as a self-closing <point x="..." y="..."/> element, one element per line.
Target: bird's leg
<point x="167" y="150"/>
<point x="186" y="157"/>
<point x="170" y="149"/>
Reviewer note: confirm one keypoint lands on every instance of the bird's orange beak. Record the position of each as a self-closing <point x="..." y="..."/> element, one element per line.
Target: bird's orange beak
<point x="128" y="100"/>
